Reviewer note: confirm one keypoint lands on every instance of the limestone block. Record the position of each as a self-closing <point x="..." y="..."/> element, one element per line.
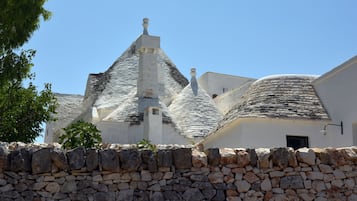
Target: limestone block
<point x="318" y="185"/>
<point x="219" y="196"/>
<point x="109" y="159"/>
<point x="199" y="159"/>
<point x="322" y="155"/>
<point x="193" y="194"/>
<point x="266" y="185"/>
<point x="4" y="152"/>
<point x="306" y="155"/>
<point x="20" y="160"/>
<point x="339" y="174"/>
<point x="104" y="196"/>
<point x="292" y="158"/>
<point x="215" y="177"/>
<point x="76" y="158"/>
<point x="315" y="175"/>
<point x="294" y="182"/>
<point x="337" y="157"/>
<point x="228" y="156"/>
<point x="59" y="159"/>
<point x="251" y="177"/>
<point x="253" y="157"/>
<point x="164" y="158"/>
<point x="53" y="187"/>
<point x="182" y="158"/>
<point x="130" y="159"/>
<point x="41" y="161"/>
<point x="325" y="168"/>
<point x="68" y="187"/>
<point x="280" y="157"/>
<point x="242" y="186"/>
<point x="149" y="161"/>
<point x="213" y="156"/>
<point x="263" y="157"/>
<point x="157" y="196"/>
<point x="92" y="159"/>
<point x="172" y="195"/>
<point x="243" y="158"/>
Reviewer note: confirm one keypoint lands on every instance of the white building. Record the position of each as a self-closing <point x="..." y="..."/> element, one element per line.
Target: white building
<point x="143" y="95"/>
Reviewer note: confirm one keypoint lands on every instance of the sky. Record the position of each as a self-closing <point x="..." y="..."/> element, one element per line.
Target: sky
<point x="245" y="38"/>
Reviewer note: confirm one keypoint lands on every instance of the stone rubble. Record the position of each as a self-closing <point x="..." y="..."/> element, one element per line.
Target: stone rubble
<point x="29" y="172"/>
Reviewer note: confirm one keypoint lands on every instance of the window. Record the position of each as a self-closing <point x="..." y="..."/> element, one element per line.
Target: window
<point x="225" y="90"/>
<point x="297" y="142"/>
<point x="155" y="111"/>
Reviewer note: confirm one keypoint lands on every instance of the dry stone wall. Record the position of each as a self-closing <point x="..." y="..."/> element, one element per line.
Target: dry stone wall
<point x="46" y="172"/>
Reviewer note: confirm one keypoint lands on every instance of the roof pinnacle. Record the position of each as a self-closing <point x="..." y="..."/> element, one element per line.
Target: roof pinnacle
<point x="146" y="25"/>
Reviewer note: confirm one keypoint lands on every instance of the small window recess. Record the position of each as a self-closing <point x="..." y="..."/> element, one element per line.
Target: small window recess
<point x="297" y="142"/>
<point x="225" y="90"/>
<point x="155" y="111"/>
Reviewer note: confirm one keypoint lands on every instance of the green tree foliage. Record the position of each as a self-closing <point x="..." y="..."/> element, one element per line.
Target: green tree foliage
<point x="80" y="134"/>
<point x="22" y="107"/>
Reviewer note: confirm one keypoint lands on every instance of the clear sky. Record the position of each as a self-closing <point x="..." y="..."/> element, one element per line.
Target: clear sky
<point x="246" y="38"/>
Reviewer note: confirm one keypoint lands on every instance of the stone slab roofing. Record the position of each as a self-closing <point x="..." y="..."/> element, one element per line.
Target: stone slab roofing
<point x="115" y="90"/>
<point x="197" y="114"/>
<point x="280" y="96"/>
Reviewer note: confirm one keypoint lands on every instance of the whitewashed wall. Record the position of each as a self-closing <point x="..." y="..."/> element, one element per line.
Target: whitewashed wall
<point x="214" y="83"/>
<point x="338" y="91"/>
<point x="259" y="132"/>
<point x="123" y="133"/>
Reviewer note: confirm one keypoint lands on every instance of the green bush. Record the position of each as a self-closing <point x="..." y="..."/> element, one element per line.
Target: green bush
<point x="80" y="134"/>
<point x="145" y="144"/>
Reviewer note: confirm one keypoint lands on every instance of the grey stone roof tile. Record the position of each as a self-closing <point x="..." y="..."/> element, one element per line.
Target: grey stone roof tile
<point x="285" y="97"/>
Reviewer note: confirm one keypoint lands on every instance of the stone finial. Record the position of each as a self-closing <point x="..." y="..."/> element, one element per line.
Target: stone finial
<point x="193" y="72"/>
<point x="146" y="25"/>
<point x="194" y="84"/>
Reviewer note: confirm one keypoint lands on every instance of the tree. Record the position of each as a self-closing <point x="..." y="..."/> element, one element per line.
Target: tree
<point x="22" y="108"/>
<point x="80" y="134"/>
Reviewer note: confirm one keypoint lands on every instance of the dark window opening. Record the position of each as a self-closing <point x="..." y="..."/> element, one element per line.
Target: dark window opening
<point x="214" y="95"/>
<point x="297" y="142"/>
<point x="155" y="111"/>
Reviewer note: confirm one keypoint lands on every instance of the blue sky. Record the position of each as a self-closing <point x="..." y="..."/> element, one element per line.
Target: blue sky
<point x="245" y="38"/>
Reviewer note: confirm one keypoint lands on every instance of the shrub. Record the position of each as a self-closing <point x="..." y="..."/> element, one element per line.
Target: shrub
<point x="79" y="134"/>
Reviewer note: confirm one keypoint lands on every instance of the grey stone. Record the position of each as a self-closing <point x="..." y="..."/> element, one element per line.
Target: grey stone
<point x="172" y="195"/>
<point x="202" y="185"/>
<point x="306" y="155"/>
<point x="198" y="177"/>
<point x="192" y="194"/>
<point x="109" y="159"/>
<point x="102" y="196"/>
<point x="213" y="156"/>
<point x="92" y="159"/>
<point x="220" y="196"/>
<point x="164" y="158"/>
<point x="129" y="159"/>
<point x="21" y="187"/>
<point x="20" y="160"/>
<point x="76" y="158"/>
<point x="141" y="195"/>
<point x="182" y="158"/>
<point x="6" y="188"/>
<point x="280" y="157"/>
<point x="41" y="161"/>
<point x="209" y="193"/>
<point x="68" y="187"/>
<point x="4" y="152"/>
<point x="53" y="187"/>
<point x="125" y="195"/>
<point x="242" y="186"/>
<point x="149" y="161"/>
<point x="294" y="182"/>
<point x="59" y="159"/>
<point x="157" y="196"/>
<point x="253" y="157"/>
